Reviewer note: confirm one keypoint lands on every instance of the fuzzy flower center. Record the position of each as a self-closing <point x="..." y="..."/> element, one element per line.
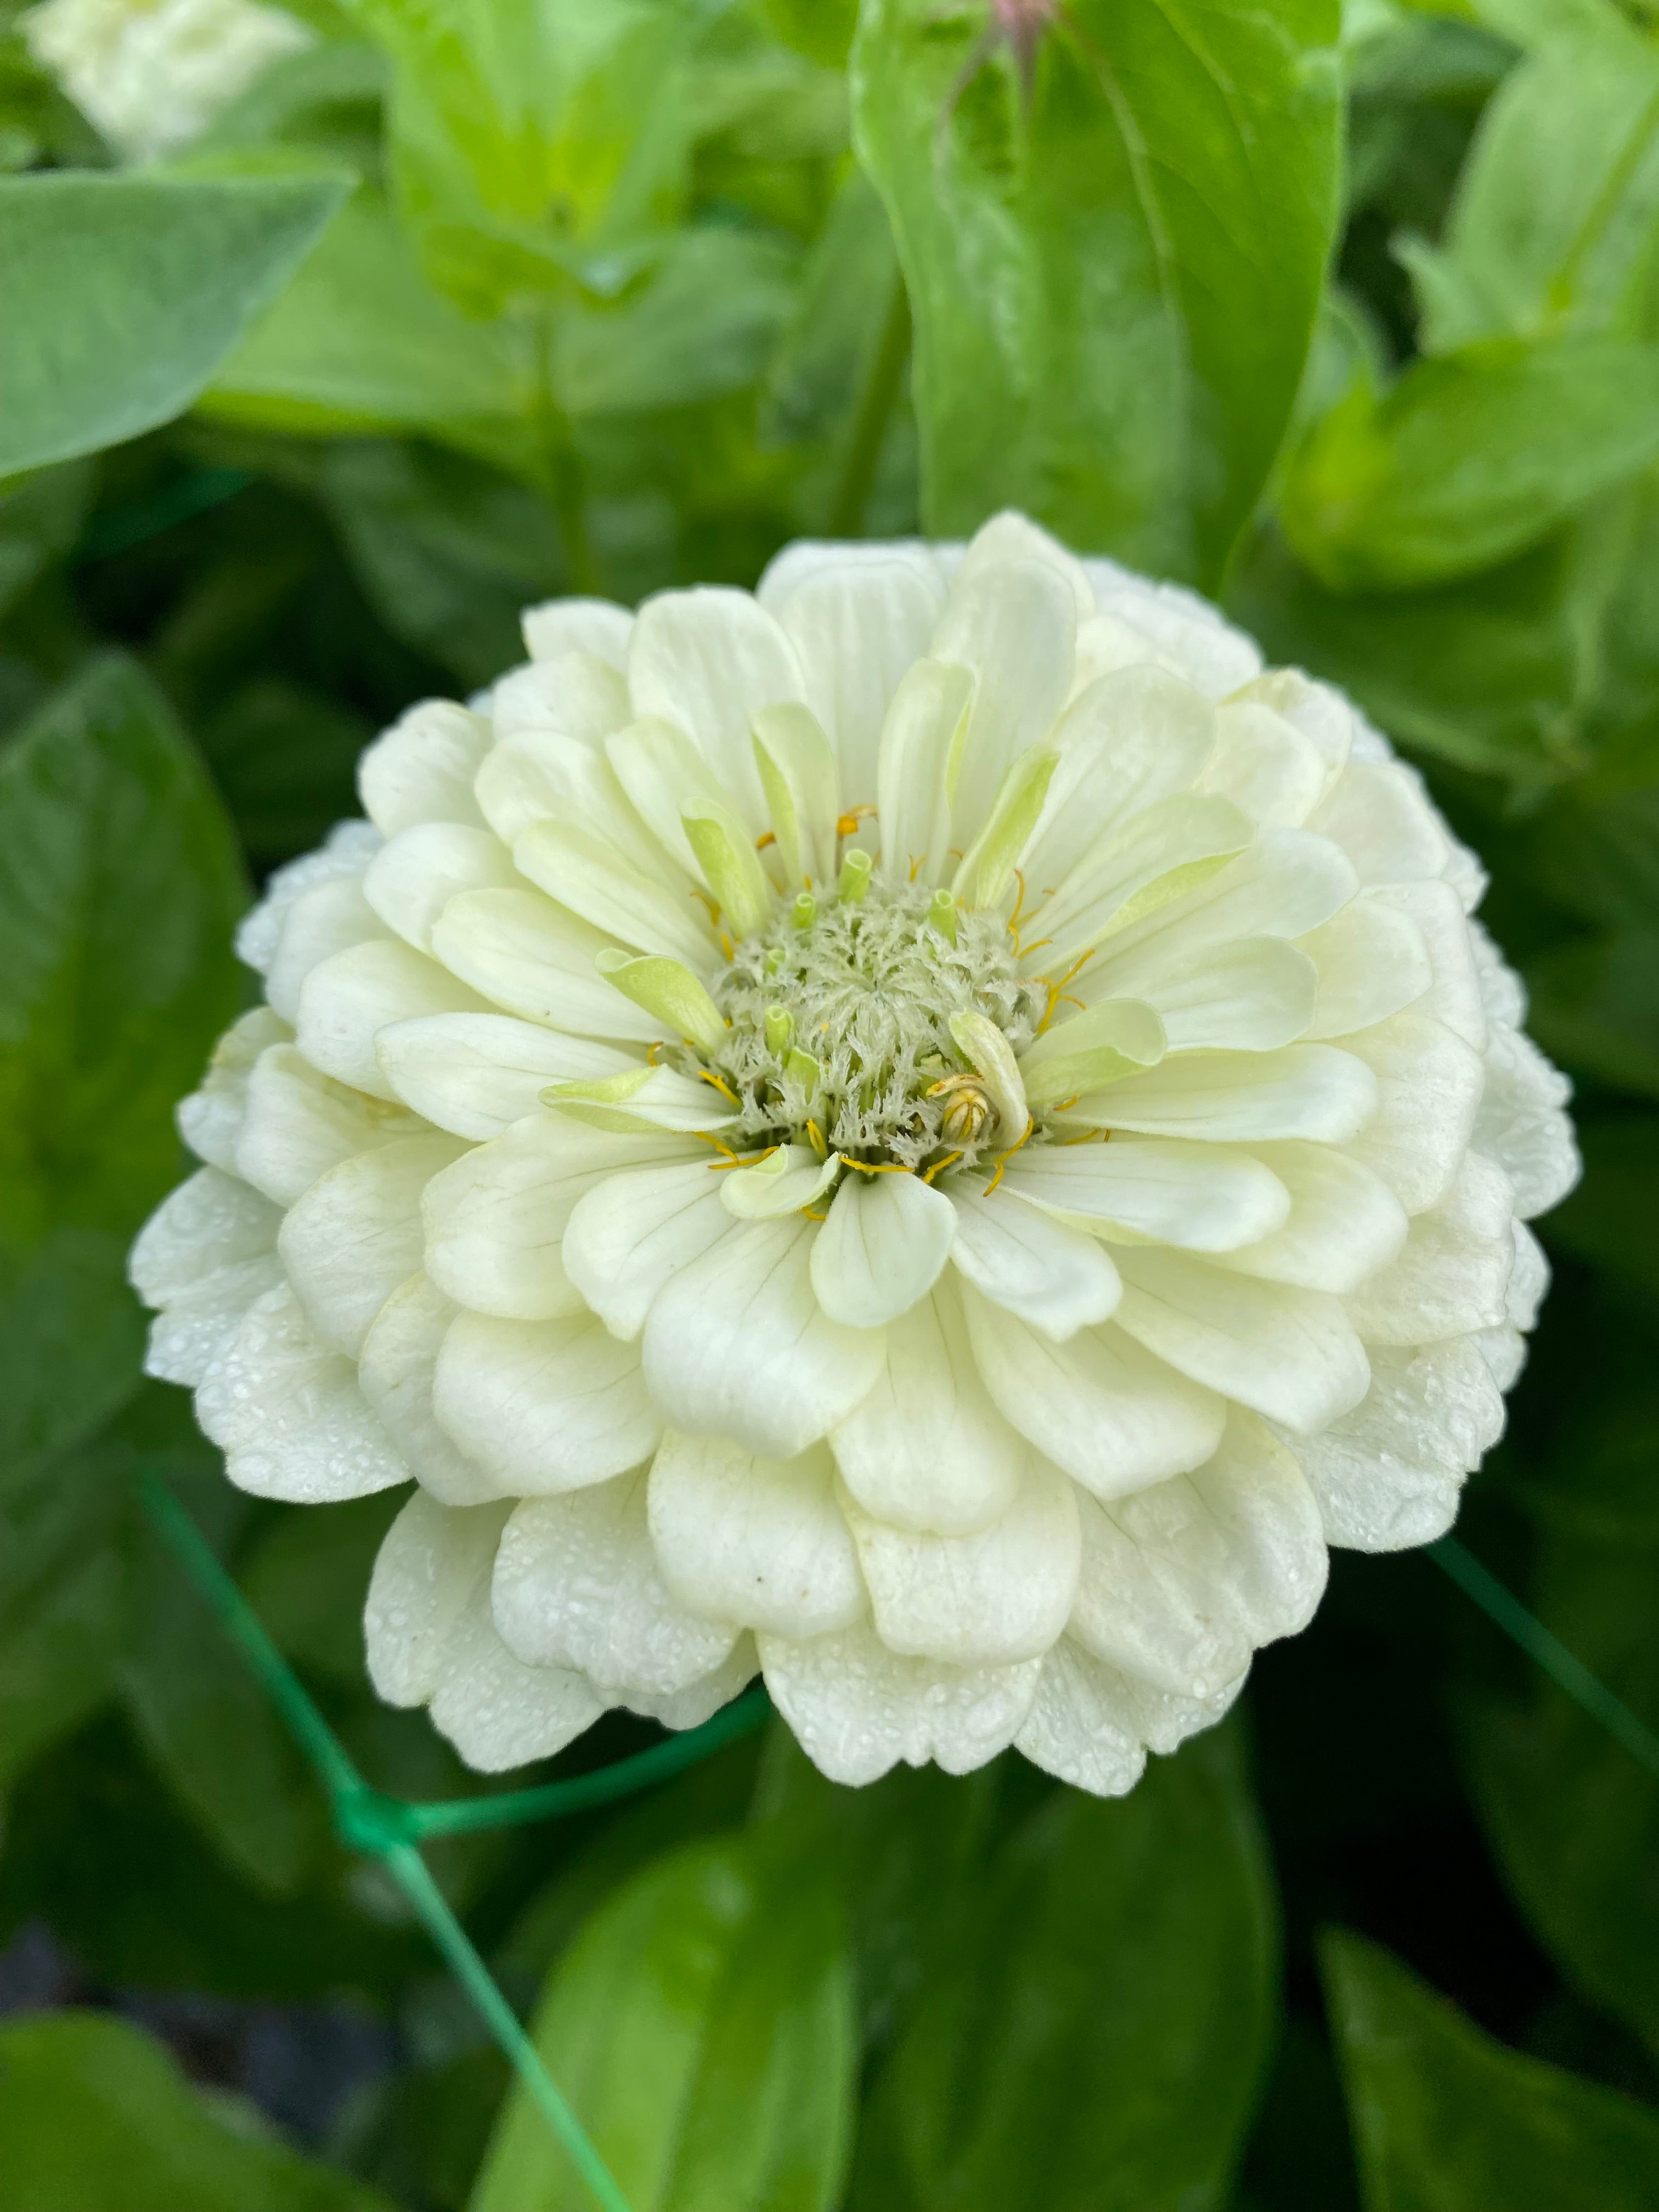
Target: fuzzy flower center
<point x="840" y="1017"/>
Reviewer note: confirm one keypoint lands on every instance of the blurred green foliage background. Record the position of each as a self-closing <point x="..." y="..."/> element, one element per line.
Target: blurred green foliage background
<point x="1353" y="324"/>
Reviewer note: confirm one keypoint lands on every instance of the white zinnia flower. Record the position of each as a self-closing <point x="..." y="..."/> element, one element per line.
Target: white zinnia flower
<point x="151" y="75"/>
<point x="933" y="1131"/>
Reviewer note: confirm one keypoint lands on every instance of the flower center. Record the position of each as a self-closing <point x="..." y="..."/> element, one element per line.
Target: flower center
<point x="840" y="1017"/>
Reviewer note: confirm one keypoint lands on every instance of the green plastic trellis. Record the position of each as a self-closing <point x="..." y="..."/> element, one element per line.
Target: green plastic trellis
<point x="392" y="1830"/>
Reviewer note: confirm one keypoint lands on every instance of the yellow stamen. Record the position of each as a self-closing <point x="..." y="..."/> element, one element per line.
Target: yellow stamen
<point x="708" y="1075"/>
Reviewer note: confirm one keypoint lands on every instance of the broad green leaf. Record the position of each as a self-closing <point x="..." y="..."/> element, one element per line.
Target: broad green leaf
<point x="1606" y="1220"/>
<point x="40" y="517"/>
<point x="1097" y="2037"/>
<point x="1594" y="1007"/>
<point x="96" y="2117"/>
<point x="120" y="887"/>
<point x="124" y="293"/>
<point x="1469" y="459"/>
<point x="1555" y="225"/>
<point x="1448" y="2120"/>
<point x="1113" y="281"/>
<point x="701" y="2026"/>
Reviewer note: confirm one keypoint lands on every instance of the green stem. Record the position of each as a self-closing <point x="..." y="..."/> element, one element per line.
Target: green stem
<point x="882" y="384"/>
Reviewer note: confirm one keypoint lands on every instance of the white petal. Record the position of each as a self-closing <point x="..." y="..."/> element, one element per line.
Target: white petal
<point x="1114" y="1418"/>
<point x="1388" y="1475"/>
<point x="927" y="1449"/>
<point x="856" y="628"/>
<point x="197" y="1328"/>
<point x="662" y="771"/>
<point x="1147" y="865"/>
<point x="708" y="659"/>
<point x="520" y="952"/>
<point x="1011" y="537"/>
<point x="594" y="626"/>
<point x="600" y="887"/>
<point x="919" y="758"/>
<point x="1127" y="741"/>
<point x="806" y="559"/>
<point x="301" y="1123"/>
<point x="1371" y="961"/>
<point x="857" y="1708"/>
<point x="330" y="917"/>
<point x="783" y="1180"/>
<point x="1013" y="625"/>
<point x="1381" y="819"/>
<point x="576" y="1585"/>
<point x="985" y="1600"/>
<point x="1080" y="1727"/>
<point x="430" y="1566"/>
<point x="552" y="775"/>
<point x="422" y="769"/>
<point x="1289" y="1353"/>
<point x="634" y="1231"/>
<point x="1321" y="714"/>
<point x="1222" y="1097"/>
<point x="737" y="1345"/>
<point x="802" y="780"/>
<point x="1428" y="1088"/>
<point x="211" y="1221"/>
<point x="1056" y="1277"/>
<point x="753" y="1540"/>
<point x="497" y="1711"/>
<point x="288" y="1415"/>
<point x="344" y="853"/>
<point x="356" y="1236"/>
<point x="1182" y="1582"/>
<point x="1207" y="650"/>
<point x="410" y="879"/>
<point x="346" y="1000"/>
<point x="1251" y="996"/>
<point x="543" y="1405"/>
<point x="476" y="1074"/>
<point x="1288" y="882"/>
<point x="210" y="1118"/>
<point x="396" y="1369"/>
<point x="1265" y="765"/>
<point x="1522" y="1126"/>
<point x="1345" y="1223"/>
<point x="1452" y="1274"/>
<point x="700" y="1700"/>
<point x="1202" y="1197"/>
<point x="882" y="1249"/>
<point x="1454" y="996"/>
<point x="568" y="694"/>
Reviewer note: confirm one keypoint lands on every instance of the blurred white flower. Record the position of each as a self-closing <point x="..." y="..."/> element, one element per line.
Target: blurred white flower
<point x="151" y="75"/>
<point x="932" y="1132"/>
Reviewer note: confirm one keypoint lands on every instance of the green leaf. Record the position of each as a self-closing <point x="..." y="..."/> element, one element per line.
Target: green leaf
<point x="1469" y="459"/>
<point x="1102" y="2019"/>
<point x="1607" y="1220"/>
<point x="40" y="518"/>
<point x="124" y="293"/>
<point x="701" y="2026"/>
<point x="95" y="2117"/>
<point x="307" y="1578"/>
<point x="1114" y="284"/>
<point x="1594" y="1007"/>
<point x="1448" y="2120"/>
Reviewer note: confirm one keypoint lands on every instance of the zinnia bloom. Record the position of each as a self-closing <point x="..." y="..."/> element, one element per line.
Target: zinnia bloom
<point x="153" y="74"/>
<point x="932" y="1132"/>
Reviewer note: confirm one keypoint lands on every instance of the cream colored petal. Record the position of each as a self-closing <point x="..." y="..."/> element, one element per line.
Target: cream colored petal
<point x="430" y="1567"/>
<point x="882" y="1249"/>
<point x="356" y="1236"/>
<point x="330" y="917"/>
<point x="212" y="1220"/>
<point x="662" y="772"/>
<point x="1203" y="1198"/>
<point x="1387" y="1476"/>
<point x="1232" y="1097"/>
<point x="1250" y="996"/>
<point x="700" y="1700"/>
<point x="1127" y="741"/>
<point x="632" y="1233"/>
<point x="1054" y="1277"/>
<point x="595" y="626"/>
<point x="591" y="878"/>
<point x="1182" y="1582"/>
<point x="1371" y="961"/>
<point x="985" y="1599"/>
<point x="343" y="855"/>
<point x="1207" y="650"/>
<point x="1265" y="765"/>
<point x="287" y="1414"/>
<point x="1288" y="882"/>
<point x="413" y="877"/>
<point x="708" y="659"/>
<point x="576" y="1585"/>
<point x="544" y="1406"/>
<point x="758" y="1542"/>
<point x="196" y="1328"/>
<point x="347" y="999"/>
<point x="1451" y="1276"/>
<point x="422" y="769"/>
<point x="919" y="760"/>
<point x="1380" y="816"/>
<point x="1080" y="1727"/>
<point x="1291" y="1354"/>
<point x="1344" y="1224"/>
<point x="645" y="1098"/>
<point x="476" y="1074"/>
<point x="1148" y="864"/>
<point x="1428" y="1090"/>
<point x="737" y="1346"/>
<point x="301" y="1123"/>
<point x="1011" y="537"/>
<point x="523" y="953"/>
<point x="211" y="1119"/>
<point x="497" y="1711"/>
<point x="1522" y="1125"/>
<point x="495" y="1222"/>
<point x="801" y="776"/>
<point x="1321" y="714"/>
<point x="1013" y="624"/>
<point x="1454" y="996"/>
<point x="783" y="1180"/>
<point x="1105" y="1411"/>
<point x="550" y="775"/>
<point x="570" y="693"/>
<point x="396" y="1369"/>
<point x="927" y="1449"/>
<point x="855" y="630"/>
<point x="857" y="1709"/>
